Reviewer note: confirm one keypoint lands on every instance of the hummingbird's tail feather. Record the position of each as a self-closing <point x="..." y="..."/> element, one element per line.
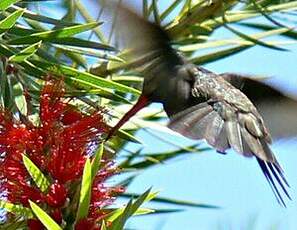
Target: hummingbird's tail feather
<point x="270" y="171"/>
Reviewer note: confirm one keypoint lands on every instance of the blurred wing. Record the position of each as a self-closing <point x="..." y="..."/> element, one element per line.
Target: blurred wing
<point x="143" y="39"/>
<point x="241" y="131"/>
<point x="278" y="110"/>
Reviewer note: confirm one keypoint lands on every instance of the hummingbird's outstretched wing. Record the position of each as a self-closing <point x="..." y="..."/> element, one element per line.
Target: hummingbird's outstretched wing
<point x="278" y="109"/>
<point x="228" y="119"/>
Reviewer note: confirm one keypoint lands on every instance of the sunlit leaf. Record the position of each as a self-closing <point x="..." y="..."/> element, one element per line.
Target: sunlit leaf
<point x="4" y="4"/>
<point x="25" y="53"/>
<point x="171" y="201"/>
<point x="119" y="211"/>
<point x="39" y="178"/>
<point x="16" y="209"/>
<point x="97" y="161"/>
<point x="31" y="15"/>
<point x="130" y="209"/>
<point x="48" y="36"/>
<point x="19" y="98"/>
<point x="44" y="218"/>
<point x="84" y="79"/>
<point x="85" y="192"/>
<point x="10" y="21"/>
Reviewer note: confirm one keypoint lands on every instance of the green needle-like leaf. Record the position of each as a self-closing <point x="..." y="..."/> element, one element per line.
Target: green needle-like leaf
<point x="103" y="226"/>
<point x="19" y="98"/>
<point x="25" y="53"/>
<point x="130" y="209"/>
<point x="256" y="41"/>
<point x="48" y="36"/>
<point x="4" y="4"/>
<point x="10" y="21"/>
<point x="39" y="178"/>
<point x="84" y="79"/>
<point x="119" y="211"/>
<point x="44" y="218"/>
<point x="16" y="209"/>
<point x="97" y="161"/>
<point x="85" y="192"/>
<point x="166" y="200"/>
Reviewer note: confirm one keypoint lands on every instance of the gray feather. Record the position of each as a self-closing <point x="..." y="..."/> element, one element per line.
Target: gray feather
<point x="183" y="122"/>
<point x="234" y="135"/>
<point x="221" y="143"/>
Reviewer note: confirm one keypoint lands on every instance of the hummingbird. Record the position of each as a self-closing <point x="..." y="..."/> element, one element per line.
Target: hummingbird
<point x="200" y="104"/>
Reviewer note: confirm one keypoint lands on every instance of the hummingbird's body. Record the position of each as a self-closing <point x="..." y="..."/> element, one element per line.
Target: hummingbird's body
<point x="199" y="103"/>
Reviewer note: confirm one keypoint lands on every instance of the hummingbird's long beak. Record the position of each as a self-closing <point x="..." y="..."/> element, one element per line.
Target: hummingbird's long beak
<point x="141" y="103"/>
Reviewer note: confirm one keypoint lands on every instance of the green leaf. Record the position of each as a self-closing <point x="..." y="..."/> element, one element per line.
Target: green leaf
<point x="171" y="201"/>
<point x="73" y="41"/>
<point x="130" y="209"/>
<point x="48" y="36"/>
<point x="127" y="136"/>
<point x="44" y="218"/>
<point x="218" y="55"/>
<point x="85" y="192"/>
<point x="84" y="79"/>
<point x="102" y="93"/>
<point x="39" y="178"/>
<point x="29" y="68"/>
<point x="157" y="158"/>
<point x="119" y="211"/>
<point x="92" y="53"/>
<point x="40" y="18"/>
<point x="156" y="12"/>
<point x="97" y="161"/>
<point x="19" y="98"/>
<point x="10" y="21"/>
<point x="4" y="4"/>
<point x="170" y="9"/>
<point x="251" y="39"/>
<point x="103" y="226"/>
<point x="290" y="33"/>
<point x="16" y="209"/>
<point x="25" y="53"/>
<point x="145" y="8"/>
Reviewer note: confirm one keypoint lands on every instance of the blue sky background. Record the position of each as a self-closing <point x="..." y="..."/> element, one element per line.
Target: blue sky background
<point x="230" y="181"/>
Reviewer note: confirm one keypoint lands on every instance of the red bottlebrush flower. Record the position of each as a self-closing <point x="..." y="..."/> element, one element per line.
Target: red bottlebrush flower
<point x="34" y="224"/>
<point x="57" y="216"/>
<point x="71" y="115"/>
<point x="59" y="147"/>
<point x="68" y="153"/>
<point x="56" y="195"/>
<point x="86" y="224"/>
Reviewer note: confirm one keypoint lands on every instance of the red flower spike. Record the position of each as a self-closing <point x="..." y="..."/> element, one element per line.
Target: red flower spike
<point x="57" y="216"/>
<point x="69" y="153"/>
<point x="85" y="223"/>
<point x="56" y="196"/>
<point x="34" y="224"/>
<point x="71" y="115"/>
<point x="21" y="193"/>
